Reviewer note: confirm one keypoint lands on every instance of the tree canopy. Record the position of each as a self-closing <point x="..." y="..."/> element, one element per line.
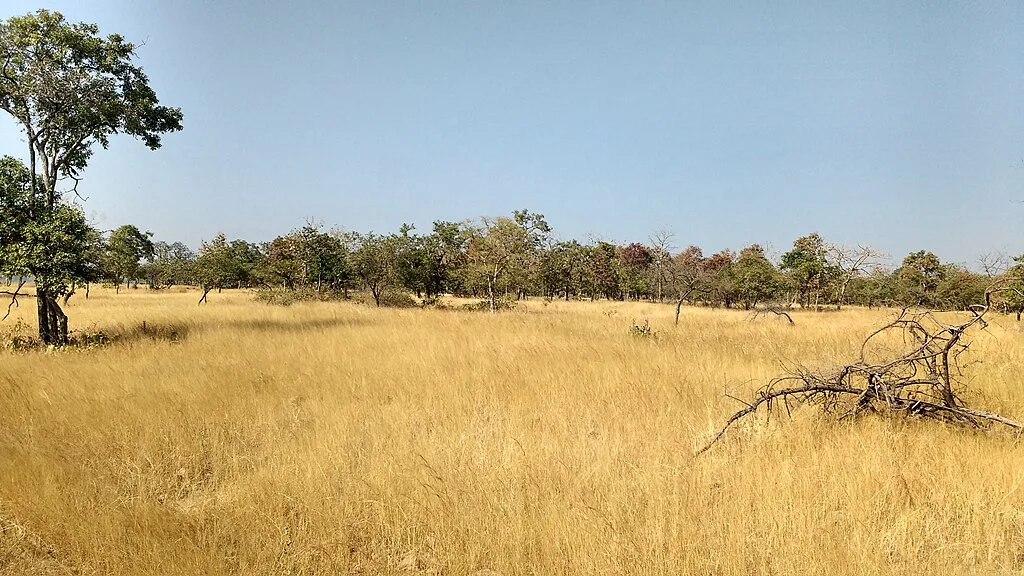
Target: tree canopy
<point x="68" y="88"/>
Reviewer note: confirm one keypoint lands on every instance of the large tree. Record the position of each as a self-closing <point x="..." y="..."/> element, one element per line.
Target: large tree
<point x="69" y="89"/>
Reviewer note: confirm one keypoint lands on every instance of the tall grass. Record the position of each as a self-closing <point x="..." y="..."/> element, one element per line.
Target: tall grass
<point x="240" y="438"/>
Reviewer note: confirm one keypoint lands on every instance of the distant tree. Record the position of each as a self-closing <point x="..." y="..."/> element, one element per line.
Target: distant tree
<point x="413" y="260"/>
<point x="661" y="259"/>
<point x="602" y="271"/>
<point x="688" y="275"/>
<point x="721" y="281"/>
<point x="563" y="269"/>
<point x="445" y="257"/>
<point x="995" y="263"/>
<point x="325" y="260"/>
<point x="877" y="288"/>
<point x="222" y="264"/>
<point x="849" y="263"/>
<point x="125" y="249"/>
<point x="806" y="267"/>
<point x="635" y="262"/>
<point x="283" y="263"/>
<point x="1015" y="287"/>
<point x="171" y="265"/>
<point x="506" y="245"/>
<point x="375" y="263"/>
<point x="959" y="288"/>
<point x="756" y="279"/>
<point x="918" y="278"/>
<point x="69" y="89"/>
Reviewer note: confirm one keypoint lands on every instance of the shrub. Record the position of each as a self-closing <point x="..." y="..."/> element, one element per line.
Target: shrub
<point x="500" y="304"/>
<point x="642" y="331"/>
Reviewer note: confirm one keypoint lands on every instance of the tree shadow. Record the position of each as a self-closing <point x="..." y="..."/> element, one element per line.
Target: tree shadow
<point x="291" y="326"/>
<point x="146" y="331"/>
<point x="176" y="332"/>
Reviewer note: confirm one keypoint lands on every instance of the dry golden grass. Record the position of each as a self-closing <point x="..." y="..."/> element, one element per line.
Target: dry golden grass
<point x="336" y="438"/>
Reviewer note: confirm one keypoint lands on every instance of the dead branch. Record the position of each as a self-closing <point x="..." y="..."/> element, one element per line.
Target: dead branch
<point x="921" y="379"/>
<point x="14" y="297"/>
<point x="772" y="309"/>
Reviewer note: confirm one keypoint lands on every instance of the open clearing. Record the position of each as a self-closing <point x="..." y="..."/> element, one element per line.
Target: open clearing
<point x="240" y="438"/>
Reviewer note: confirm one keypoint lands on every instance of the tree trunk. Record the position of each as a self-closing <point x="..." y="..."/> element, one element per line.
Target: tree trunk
<point x="490" y="292"/>
<point x="53" y="323"/>
<point x="43" y="309"/>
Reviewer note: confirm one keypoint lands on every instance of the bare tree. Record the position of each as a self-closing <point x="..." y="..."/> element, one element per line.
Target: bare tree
<point x="994" y="263"/>
<point x="851" y="262"/>
<point x="661" y="247"/>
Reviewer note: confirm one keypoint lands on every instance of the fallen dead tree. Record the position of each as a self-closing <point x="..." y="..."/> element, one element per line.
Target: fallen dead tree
<point x="911" y="367"/>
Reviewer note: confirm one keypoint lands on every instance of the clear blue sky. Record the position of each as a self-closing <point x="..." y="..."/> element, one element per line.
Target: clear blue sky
<point x="891" y="123"/>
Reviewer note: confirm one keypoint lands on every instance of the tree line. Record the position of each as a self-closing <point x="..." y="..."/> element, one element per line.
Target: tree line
<point x="503" y="259"/>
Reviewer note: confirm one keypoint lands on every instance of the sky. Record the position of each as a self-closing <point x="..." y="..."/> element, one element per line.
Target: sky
<point x="894" y="124"/>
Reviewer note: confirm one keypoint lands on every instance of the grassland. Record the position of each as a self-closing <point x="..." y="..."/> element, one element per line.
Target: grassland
<point x="239" y="438"/>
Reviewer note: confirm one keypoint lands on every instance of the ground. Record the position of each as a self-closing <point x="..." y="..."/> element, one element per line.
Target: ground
<point x="242" y="438"/>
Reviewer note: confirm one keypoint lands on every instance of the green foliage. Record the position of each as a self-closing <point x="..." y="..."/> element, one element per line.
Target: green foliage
<point x="171" y="265"/>
<point x="634" y="267"/>
<point x="503" y="251"/>
<point x="603" y="272"/>
<point x="324" y="258"/>
<point x="67" y="82"/>
<point x="223" y="264"/>
<point x="562" y="270"/>
<point x="959" y="288"/>
<point x="1014" y="294"/>
<point x="807" y="268"/>
<point x="375" y="263"/>
<point x="68" y="89"/>
<point x="125" y="249"/>
<point x="875" y="289"/>
<point x="756" y="280"/>
<point x="721" y="282"/>
<point x="918" y="279"/>
<point x="55" y="246"/>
